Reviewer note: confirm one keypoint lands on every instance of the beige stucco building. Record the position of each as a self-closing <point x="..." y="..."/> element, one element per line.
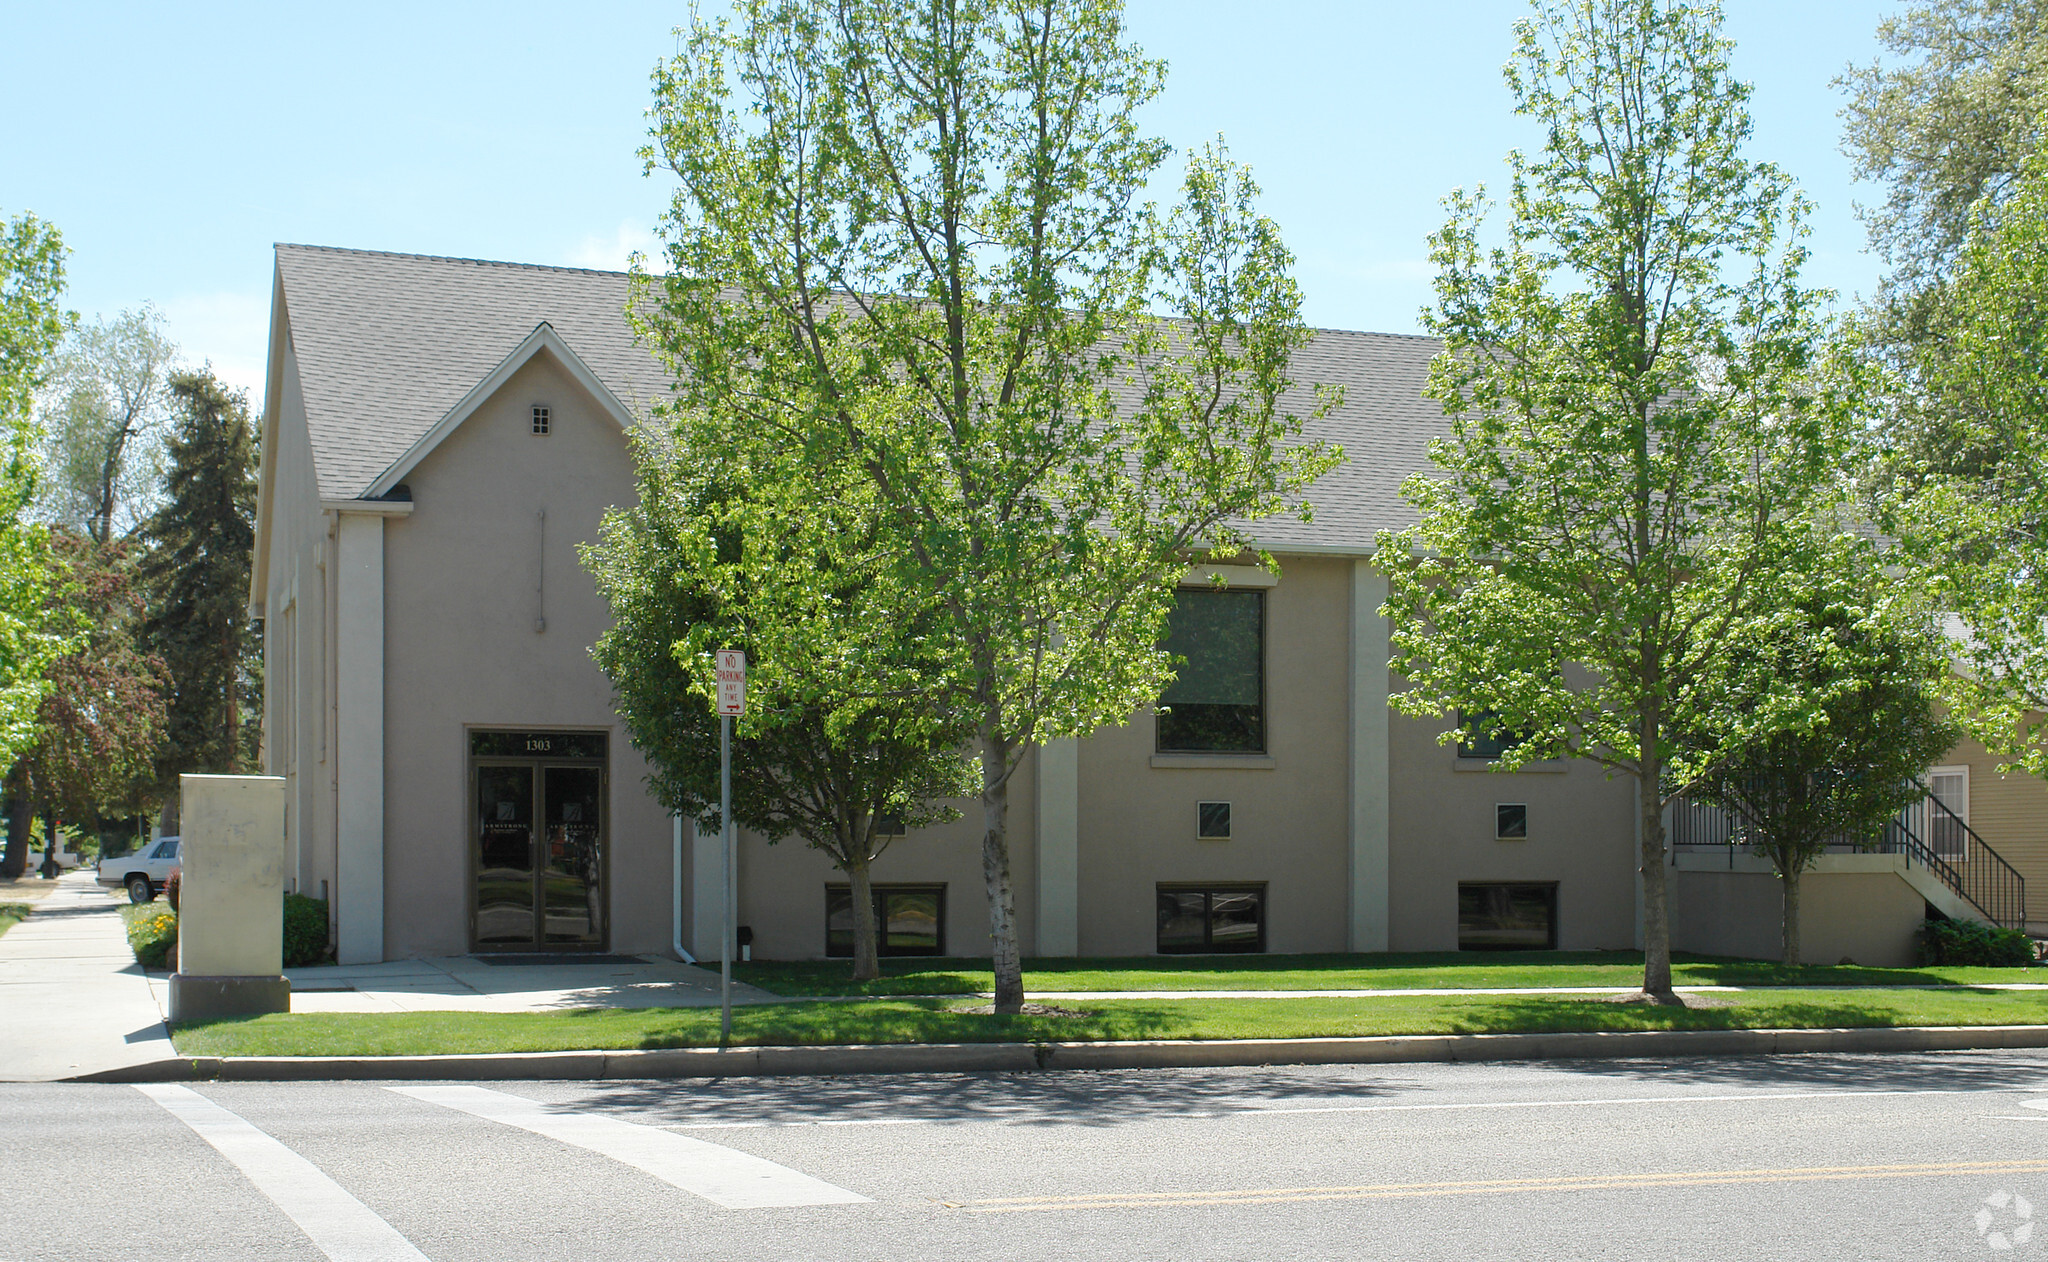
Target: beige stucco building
<point x="441" y="434"/>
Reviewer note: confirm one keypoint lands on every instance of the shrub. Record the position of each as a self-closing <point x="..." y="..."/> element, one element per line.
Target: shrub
<point x="1974" y="942"/>
<point x="305" y="930"/>
<point x="152" y="932"/>
<point x="173" y="887"/>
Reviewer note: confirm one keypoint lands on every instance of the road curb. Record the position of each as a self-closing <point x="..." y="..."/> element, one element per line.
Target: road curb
<point x="706" y="1062"/>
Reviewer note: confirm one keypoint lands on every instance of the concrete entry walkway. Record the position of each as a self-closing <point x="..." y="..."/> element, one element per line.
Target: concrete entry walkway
<point x="73" y="1001"/>
<point x="506" y="984"/>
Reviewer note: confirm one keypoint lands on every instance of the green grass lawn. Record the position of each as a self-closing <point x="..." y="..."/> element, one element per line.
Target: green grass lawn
<point x="12" y="914"/>
<point x="1427" y="970"/>
<point x="901" y="1020"/>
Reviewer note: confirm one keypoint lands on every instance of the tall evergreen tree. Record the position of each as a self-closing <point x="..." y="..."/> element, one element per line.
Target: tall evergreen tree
<point x="196" y="579"/>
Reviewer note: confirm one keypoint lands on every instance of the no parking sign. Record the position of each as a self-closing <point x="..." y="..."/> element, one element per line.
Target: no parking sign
<point x="732" y="682"/>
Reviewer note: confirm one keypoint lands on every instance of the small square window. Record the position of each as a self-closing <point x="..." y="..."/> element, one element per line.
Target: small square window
<point x="888" y="824"/>
<point x="1212" y="820"/>
<point x="1510" y="821"/>
<point x="543" y="419"/>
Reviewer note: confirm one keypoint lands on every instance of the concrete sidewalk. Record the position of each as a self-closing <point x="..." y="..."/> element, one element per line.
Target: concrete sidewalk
<point x="74" y="1003"/>
<point x="1477" y="993"/>
<point x="72" y="999"/>
<point x="472" y="984"/>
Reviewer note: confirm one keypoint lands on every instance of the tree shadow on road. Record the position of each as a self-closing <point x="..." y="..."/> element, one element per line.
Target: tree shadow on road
<point x="1885" y="1071"/>
<point x="1063" y="1098"/>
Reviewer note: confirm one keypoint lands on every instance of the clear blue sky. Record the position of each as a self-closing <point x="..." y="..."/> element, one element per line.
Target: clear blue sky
<point x="174" y="143"/>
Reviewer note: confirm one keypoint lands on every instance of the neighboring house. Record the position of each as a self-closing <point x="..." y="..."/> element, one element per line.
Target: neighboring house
<point x="440" y="435"/>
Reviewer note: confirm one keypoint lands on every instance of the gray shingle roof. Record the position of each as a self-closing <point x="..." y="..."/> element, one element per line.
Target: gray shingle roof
<point x="387" y="344"/>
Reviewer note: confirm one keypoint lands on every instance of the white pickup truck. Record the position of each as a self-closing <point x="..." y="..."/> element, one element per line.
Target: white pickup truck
<point x="143" y="872"/>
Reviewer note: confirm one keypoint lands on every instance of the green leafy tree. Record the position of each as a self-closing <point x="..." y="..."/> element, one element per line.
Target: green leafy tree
<point x="915" y="302"/>
<point x="31" y="326"/>
<point x="1863" y="759"/>
<point x="1979" y="529"/>
<point x="812" y="757"/>
<point x="1947" y="125"/>
<point x="1639" y="432"/>
<point x="101" y="720"/>
<point x="195" y="579"/>
<point x="104" y="424"/>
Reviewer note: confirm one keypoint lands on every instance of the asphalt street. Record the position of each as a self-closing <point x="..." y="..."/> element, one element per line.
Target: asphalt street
<point x="1806" y="1157"/>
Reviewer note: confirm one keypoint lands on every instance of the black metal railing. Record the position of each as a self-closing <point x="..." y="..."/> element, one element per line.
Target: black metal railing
<point x="1983" y="876"/>
<point x="1927" y="833"/>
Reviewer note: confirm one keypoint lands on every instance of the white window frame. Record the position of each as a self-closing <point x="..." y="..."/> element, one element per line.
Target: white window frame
<point x="1961" y="809"/>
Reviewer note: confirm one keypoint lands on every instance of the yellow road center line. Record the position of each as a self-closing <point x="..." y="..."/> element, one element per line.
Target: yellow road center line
<point x="1566" y="1183"/>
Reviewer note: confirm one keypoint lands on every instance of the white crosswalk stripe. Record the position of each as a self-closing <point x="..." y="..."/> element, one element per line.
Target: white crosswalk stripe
<point x="338" y="1224"/>
<point x="721" y="1175"/>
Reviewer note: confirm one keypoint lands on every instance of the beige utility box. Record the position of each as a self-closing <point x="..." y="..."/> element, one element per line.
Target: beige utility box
<point x="231" y="902"/>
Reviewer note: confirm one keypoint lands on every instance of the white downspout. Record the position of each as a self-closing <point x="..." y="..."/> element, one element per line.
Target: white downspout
<point x="676" y="922"/>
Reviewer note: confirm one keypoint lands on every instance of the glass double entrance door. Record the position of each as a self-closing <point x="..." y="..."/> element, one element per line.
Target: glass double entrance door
<point x="538" y="840"/>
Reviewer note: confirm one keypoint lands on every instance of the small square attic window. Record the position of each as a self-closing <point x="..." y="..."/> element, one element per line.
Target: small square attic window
<point x="542" y="419"/>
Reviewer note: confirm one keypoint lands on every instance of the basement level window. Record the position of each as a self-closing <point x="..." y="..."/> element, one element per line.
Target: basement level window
<point x="1225" y="918"/>
<point x="909" y="919"/>
<point x="1504" y="917"/>
<point x="543" y="419"/>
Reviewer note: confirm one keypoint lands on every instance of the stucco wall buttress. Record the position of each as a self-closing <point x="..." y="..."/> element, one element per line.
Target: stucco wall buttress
<point x="359" y="679"/>
<point x="1369" y="768"/>
<point x="1059" y="825"/>
<point x="707" y="890"/>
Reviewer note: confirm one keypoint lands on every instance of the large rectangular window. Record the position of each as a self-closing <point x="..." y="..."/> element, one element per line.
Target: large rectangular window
<point x="1217" y="701"/>
<point x="1228" y="918"/>
<point x="1507" y="917"/>
<point x="910" y="919"/>
<point x="1489" y="739"/>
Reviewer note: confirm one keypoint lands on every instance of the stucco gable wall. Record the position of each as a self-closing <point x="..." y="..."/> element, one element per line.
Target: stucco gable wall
<point x="466" y="576"/>
<point x="296" y="608"/>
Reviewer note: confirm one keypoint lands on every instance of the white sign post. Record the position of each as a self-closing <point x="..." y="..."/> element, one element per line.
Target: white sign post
<point x="732" y="701"/>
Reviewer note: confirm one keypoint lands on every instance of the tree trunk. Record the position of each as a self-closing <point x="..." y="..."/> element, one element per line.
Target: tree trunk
<point x="50" y="868"/>
<point x="1656" y="918"/>
<point x="1790" y="889"/>
<point x="867" y="963"/>
<point x="995" y="869"/>
<point x="15" y="859"/>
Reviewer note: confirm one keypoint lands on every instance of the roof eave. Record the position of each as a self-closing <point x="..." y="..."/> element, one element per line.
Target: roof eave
<point x="273" y="405"/>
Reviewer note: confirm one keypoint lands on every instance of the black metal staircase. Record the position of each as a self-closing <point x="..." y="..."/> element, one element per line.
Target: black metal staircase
<point x="1926" y="833"/>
